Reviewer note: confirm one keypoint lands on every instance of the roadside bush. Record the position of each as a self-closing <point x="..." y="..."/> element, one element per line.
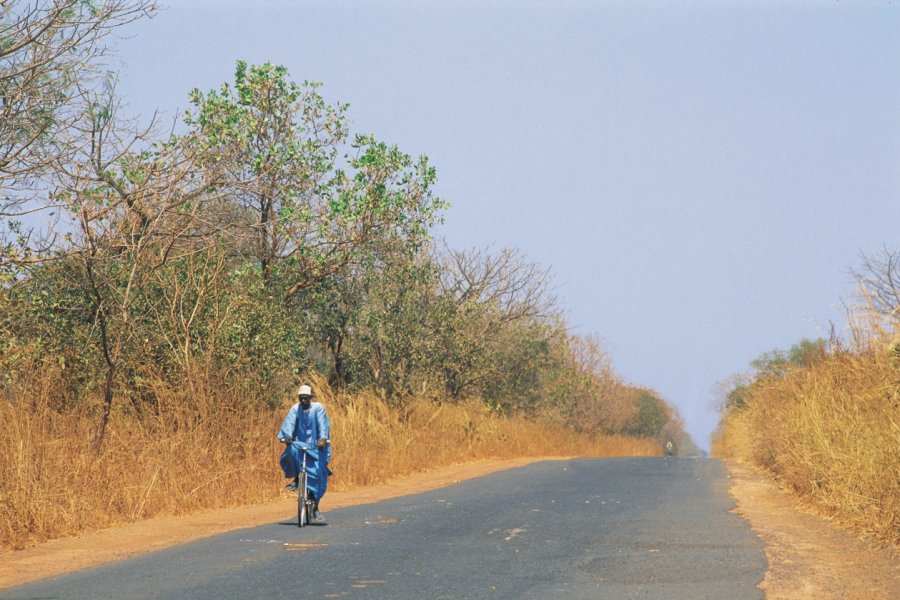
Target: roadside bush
<point x="831" y="432"/>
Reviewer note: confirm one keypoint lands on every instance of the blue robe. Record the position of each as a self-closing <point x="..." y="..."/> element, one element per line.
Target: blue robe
<point x="305" y="428"/>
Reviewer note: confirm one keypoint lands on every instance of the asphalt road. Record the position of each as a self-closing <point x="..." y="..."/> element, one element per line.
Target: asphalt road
<point x="614" y="528"/>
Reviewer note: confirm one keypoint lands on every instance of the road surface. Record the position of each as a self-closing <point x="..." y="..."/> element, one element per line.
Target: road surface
<point x="587" y="528"/>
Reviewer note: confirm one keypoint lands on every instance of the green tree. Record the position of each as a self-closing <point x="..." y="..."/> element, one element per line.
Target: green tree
<point x="652" y="414"/>
<point x="738" y="398"/>
<point x="802" y="354"/>
<point x="310" y="202"/>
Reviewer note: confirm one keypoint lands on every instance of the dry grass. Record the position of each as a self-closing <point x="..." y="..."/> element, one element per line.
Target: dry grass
<point x="831" y="433"/>
<point x="200" y="450"/>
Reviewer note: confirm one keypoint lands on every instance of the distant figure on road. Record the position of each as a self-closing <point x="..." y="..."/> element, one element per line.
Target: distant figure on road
<point x="670" y="448"/>
<point x="306" y="427"/>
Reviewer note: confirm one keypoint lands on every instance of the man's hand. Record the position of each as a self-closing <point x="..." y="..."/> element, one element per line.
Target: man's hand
<point x="322" y="443"/>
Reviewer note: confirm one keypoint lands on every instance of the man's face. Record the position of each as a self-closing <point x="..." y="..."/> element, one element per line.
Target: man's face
<point x="304" y="401"/>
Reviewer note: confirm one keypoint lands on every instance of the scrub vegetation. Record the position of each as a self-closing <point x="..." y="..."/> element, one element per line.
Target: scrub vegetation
<point x="824" y="417"/>
<point x="161" y="295"/>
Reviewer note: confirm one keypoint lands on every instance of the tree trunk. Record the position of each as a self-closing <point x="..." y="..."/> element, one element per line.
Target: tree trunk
<point x="107" y="406"/>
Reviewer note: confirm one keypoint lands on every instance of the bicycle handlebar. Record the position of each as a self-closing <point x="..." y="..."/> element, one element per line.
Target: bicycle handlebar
<point x="304" y="445"/>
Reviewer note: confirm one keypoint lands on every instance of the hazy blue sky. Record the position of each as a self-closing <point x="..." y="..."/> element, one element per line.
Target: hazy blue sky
<point x="701" y="176"/>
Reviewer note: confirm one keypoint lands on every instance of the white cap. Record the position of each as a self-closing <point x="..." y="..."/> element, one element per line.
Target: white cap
<point x="304" y="390"/>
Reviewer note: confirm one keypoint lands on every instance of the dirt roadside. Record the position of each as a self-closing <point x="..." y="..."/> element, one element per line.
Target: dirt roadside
<point x="72" y="554"/>
<point x="809" y="558"/>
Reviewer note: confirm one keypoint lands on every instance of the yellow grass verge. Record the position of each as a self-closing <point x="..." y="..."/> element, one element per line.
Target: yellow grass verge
<point x="831" y="433"/>
<point x="199" y="450"/>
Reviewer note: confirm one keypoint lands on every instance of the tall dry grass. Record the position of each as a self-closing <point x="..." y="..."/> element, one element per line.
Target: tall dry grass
<point x="831" y="433"/>
<point x="200" y="449"/>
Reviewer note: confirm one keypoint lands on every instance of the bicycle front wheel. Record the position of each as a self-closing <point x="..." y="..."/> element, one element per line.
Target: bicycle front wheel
<point x="302" y="508"/>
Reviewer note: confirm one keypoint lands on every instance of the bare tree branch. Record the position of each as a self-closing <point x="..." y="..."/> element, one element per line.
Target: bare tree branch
<point x="879" y="279"/>
<point x="51" y="62"/>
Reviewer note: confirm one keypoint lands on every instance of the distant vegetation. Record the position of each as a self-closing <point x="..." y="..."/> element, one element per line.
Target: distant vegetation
<point x="824" y="417"/>
<point x="184" y="282"/>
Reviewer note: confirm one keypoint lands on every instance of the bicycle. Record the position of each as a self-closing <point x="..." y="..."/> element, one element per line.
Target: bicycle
<point x="306" y="505"/>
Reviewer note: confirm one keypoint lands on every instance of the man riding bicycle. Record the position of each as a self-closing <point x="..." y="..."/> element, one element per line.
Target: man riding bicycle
<point x="306" y="427"/>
